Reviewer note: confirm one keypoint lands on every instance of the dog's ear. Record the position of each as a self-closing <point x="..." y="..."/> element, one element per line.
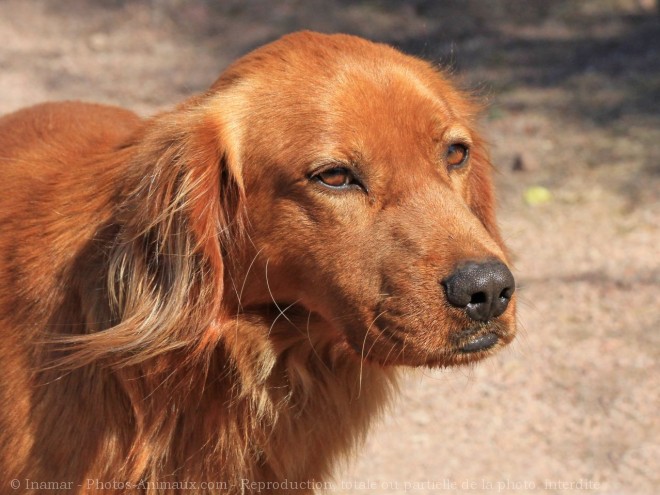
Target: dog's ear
<point x="481" y="196"/>
<point x="164" y="276"/>
<point x="166" y="271"/>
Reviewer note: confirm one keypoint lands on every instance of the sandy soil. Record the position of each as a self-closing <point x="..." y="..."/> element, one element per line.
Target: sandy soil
<point x="574" y="101"/>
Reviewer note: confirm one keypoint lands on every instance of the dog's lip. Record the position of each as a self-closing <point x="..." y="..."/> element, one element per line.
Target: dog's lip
<point x="480" y="338"/>
<point x="480" y="342"/>
<point x="469" y="343"/>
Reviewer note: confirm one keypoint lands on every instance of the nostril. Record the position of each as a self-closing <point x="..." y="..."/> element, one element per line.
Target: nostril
<point x="506" y="293"/>
<point x="483" y="289"/>
<point x="478" y="298"/>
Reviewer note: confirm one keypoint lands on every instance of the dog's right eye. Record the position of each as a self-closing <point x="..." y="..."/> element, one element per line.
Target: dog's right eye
<point x="457" y="155"/>
<point x="337" y="178"/>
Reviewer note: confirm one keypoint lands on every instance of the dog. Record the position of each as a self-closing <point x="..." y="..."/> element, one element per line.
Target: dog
<point x="219" y="297"/>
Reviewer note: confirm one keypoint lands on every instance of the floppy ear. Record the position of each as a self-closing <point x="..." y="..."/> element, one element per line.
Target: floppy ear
<point x="480" y="190"/>
<point x="164" y="264"/>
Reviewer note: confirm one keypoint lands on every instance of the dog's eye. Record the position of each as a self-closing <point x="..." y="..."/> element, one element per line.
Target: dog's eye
<point x="457" y="155"/>
<point x="337" y="177"/>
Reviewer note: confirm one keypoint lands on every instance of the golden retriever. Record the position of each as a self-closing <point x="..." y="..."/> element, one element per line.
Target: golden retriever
<point x="217" y="298"/>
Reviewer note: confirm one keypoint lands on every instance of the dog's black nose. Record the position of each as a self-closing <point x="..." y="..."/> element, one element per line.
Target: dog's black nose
<point x="484" y="289"/>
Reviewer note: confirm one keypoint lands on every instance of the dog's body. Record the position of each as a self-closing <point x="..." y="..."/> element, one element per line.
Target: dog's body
<point x="218" y="293"/>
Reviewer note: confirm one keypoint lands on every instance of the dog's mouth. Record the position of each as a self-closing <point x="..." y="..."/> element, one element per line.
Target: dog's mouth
<point x="389" y="345"/>
<point x="479" y="338"/>
<point x="479" y="343"/>
<point x="469" y="347"/>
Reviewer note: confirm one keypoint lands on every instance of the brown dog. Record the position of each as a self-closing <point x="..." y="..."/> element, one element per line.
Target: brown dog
<point x="216" y="296"/>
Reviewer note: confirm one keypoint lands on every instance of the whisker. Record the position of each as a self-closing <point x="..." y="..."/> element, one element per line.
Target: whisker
<point x="345" y="316"/>
<point x="247" y="273"/>
<point x="362" y="356"/>
<point x="401" y="353"/>
<point x="272" y="297"/>
<point x="393" y="346"/>
<point x="309" y="338"/>
<point x="281" y="313"/>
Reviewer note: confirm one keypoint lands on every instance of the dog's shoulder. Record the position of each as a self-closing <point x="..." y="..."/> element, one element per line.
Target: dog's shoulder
<point x="67" y="125"/>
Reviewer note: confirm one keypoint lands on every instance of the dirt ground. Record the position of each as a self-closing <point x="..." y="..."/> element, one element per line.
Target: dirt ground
<point x="573" y="93"/>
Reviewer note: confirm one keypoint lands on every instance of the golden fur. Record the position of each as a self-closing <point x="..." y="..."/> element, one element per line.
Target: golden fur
<point x="181" y="300"/>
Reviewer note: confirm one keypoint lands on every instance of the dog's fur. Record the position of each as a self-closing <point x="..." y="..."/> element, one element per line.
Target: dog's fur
<point x="182" y="300"/>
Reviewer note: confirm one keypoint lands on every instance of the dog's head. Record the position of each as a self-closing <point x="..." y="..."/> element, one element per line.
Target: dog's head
<point x="365" y="197"/>
<point x="368" y="199"/>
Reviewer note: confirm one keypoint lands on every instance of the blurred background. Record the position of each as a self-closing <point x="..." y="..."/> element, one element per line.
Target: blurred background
<point x="573" y="117"/>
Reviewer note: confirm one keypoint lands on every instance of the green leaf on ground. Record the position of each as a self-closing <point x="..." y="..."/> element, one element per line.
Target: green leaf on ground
<point x="537" y="195"/>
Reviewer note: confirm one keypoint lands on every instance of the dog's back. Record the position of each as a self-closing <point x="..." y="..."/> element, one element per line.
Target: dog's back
<point x="55" y="192"/>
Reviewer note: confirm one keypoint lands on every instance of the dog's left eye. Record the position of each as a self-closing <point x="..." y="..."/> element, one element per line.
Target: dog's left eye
<point x="457" y="155"/>
<point x="337" y="177"/>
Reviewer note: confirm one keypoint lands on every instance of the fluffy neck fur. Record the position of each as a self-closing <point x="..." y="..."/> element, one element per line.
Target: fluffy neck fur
<point x="256" y="409"/>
